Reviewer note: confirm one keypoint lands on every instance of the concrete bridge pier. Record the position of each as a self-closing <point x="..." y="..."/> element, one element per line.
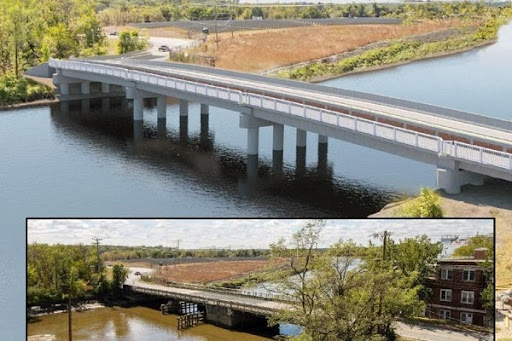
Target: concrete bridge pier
<point x="300" y="161"/>
<point x="451" y="178"/>
<point x="277" y="148"/>
<point x="86" y="87"/>
<point x="252" y="124"/>
<point x="161" y="110"/>
<point x="322" y="153"/>
<point x="105" y="88"/>
<point x="138" y="105"/>
<point x="183" y="120"/>
<point x="205" y="122"/>
<point x="64" y="89"/>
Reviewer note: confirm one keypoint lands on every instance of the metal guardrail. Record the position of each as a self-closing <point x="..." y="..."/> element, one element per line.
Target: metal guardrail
<point x="426" y="142"/>
<point x="202" y="299"/>
<point x="267" y="296"/>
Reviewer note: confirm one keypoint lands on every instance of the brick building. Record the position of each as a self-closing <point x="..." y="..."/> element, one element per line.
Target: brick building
<point x="456" y="287"/>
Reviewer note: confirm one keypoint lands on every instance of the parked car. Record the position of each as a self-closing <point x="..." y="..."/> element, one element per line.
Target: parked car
<point x="137" y="273"/>
<point x="163" y="48"/>
<point x="114" y="33"/>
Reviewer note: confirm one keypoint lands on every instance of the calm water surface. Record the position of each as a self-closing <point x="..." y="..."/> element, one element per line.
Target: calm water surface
<point x="58" y="163"/>
<point x="127" y="324"/>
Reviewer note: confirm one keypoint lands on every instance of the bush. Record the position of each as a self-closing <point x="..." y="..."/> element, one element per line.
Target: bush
<point x="427" y="205"/>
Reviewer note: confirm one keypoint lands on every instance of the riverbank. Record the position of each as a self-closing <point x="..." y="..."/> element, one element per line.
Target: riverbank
<point x="36" y="311"/>
<point x="319" y="79"/>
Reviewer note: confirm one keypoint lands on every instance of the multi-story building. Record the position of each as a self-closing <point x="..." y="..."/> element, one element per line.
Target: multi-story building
<point x="456" y="288"/>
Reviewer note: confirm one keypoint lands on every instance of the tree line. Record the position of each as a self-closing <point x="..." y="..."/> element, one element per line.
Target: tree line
<point x="123" y="12"/>
<point x="56" y="272"/>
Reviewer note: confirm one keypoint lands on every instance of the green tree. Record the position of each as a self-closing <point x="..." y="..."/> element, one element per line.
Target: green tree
<point x="337" y="295"/>
<point x="474" y="243"/>
<point x="119" y="275"/>
<point x="129" y="40"/>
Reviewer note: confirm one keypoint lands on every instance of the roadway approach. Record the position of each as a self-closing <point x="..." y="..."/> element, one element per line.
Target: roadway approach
<point x="465" y="147"/>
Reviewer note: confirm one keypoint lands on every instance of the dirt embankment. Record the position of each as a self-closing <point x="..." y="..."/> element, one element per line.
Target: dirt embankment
<point x="210" y="271"/>
<point x="258" y="51"/>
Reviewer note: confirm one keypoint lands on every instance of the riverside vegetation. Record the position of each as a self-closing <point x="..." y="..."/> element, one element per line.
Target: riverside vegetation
<point x="405" y="50"/>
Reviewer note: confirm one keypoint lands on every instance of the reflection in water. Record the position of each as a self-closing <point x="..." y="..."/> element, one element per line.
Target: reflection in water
<point x="127" y="324"/>
<point x="196" y="157"/>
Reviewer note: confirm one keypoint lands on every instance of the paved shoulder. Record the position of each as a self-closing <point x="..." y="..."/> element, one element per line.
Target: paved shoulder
<point x="431" y="332"/>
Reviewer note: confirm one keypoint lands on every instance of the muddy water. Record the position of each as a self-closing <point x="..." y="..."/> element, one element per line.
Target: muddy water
<point x="126" y="324"/>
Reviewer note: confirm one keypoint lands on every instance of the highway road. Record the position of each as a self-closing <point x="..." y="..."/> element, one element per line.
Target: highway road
<point x="478" y="131"/>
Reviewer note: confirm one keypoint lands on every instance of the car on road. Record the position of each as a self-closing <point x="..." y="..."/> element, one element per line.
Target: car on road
<point x="137" y="273"/>
<point x="163" y="48"/>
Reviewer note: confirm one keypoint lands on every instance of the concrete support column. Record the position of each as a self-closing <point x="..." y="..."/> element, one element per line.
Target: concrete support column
<point x="183" y="107"/>
<point x="205" y="129"/>
<point x="64" y="88"/>
<point x="322" y="153"/>
<point x="253" y="137"/>
<point x="277" y="148"/>
<point x="138" y="106"/>
<point x="300" y="160"/>
<point x="105" y="88"/>
<point x="138" y="131"/>
<point x="161" y="107"/>
<point x="205" y="109"/>
<point x="86" y="87"/>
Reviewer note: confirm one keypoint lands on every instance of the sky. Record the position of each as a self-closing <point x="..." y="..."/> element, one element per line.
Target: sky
<point x="237" y="233"/>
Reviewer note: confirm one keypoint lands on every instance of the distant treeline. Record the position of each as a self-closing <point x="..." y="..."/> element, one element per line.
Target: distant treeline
<point x="115" y="253"/>
<point x="119" y="12"/>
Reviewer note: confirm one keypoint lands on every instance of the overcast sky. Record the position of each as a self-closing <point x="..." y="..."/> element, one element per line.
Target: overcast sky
<point x="235" y="233"/>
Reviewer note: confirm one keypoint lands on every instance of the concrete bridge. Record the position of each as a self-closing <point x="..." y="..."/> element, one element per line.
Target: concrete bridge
<point x="228" y="309"/>
<point x="466" y="147"/>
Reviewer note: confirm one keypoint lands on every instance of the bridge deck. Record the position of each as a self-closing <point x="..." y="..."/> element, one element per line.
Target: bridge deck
<point x="243" y="303"/>
<point x="434" y="120"/>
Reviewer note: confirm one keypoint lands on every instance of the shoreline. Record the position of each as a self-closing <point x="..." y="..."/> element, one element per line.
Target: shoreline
<point x="318" y="79"/>
<point x="82" y="307"/>
<point x="36" y="103"/>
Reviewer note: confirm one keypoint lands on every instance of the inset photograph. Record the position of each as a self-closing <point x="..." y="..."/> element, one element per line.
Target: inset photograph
<point x="260" y="279"/>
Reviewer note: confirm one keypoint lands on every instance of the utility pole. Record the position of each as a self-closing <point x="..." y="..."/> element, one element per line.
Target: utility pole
<point x="178" y="244"/>
<point x="97" y="242"/>
<point x="216" y="33"/>
<point x="379" y="313"/>
<point x="384" y="246"/>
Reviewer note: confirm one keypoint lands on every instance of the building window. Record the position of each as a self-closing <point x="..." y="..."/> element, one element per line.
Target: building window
<point x="446" y="295"/>
<point x="466" y="318"/>
<point x="469" y="275"/>
<point x="445" y="314"/>
<point x="446" y="274"/>
<point x="467" y="297"/>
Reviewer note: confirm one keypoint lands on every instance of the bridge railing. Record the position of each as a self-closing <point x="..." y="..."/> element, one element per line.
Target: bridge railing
<point x="257" y="294"/>
<point x="430" y="143"/>
<point x="203" y="299"/>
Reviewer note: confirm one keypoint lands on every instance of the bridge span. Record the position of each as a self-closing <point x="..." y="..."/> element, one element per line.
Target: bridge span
<point x="466" y="147"/>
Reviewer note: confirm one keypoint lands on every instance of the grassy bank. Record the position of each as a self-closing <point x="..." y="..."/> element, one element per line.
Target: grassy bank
<point x="19" y="90"/>
<point x="400" y="51"/>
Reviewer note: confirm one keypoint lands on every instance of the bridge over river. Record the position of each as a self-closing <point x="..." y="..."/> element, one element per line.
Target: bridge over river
<point x="226" y="307"/>
<point x="466" y="147"/>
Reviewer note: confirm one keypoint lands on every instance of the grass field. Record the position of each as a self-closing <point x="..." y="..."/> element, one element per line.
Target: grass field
<point x="211" y="271"/>
<point x="257" y="51"/>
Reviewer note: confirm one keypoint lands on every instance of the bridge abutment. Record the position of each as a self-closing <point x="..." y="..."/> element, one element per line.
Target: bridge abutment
<point x="229" y="318"/>
<point x="450" y="178"/>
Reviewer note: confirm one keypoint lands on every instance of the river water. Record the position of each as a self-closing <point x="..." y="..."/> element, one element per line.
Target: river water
<point x="131" y="324"/>
<point x="69" y="163"/>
